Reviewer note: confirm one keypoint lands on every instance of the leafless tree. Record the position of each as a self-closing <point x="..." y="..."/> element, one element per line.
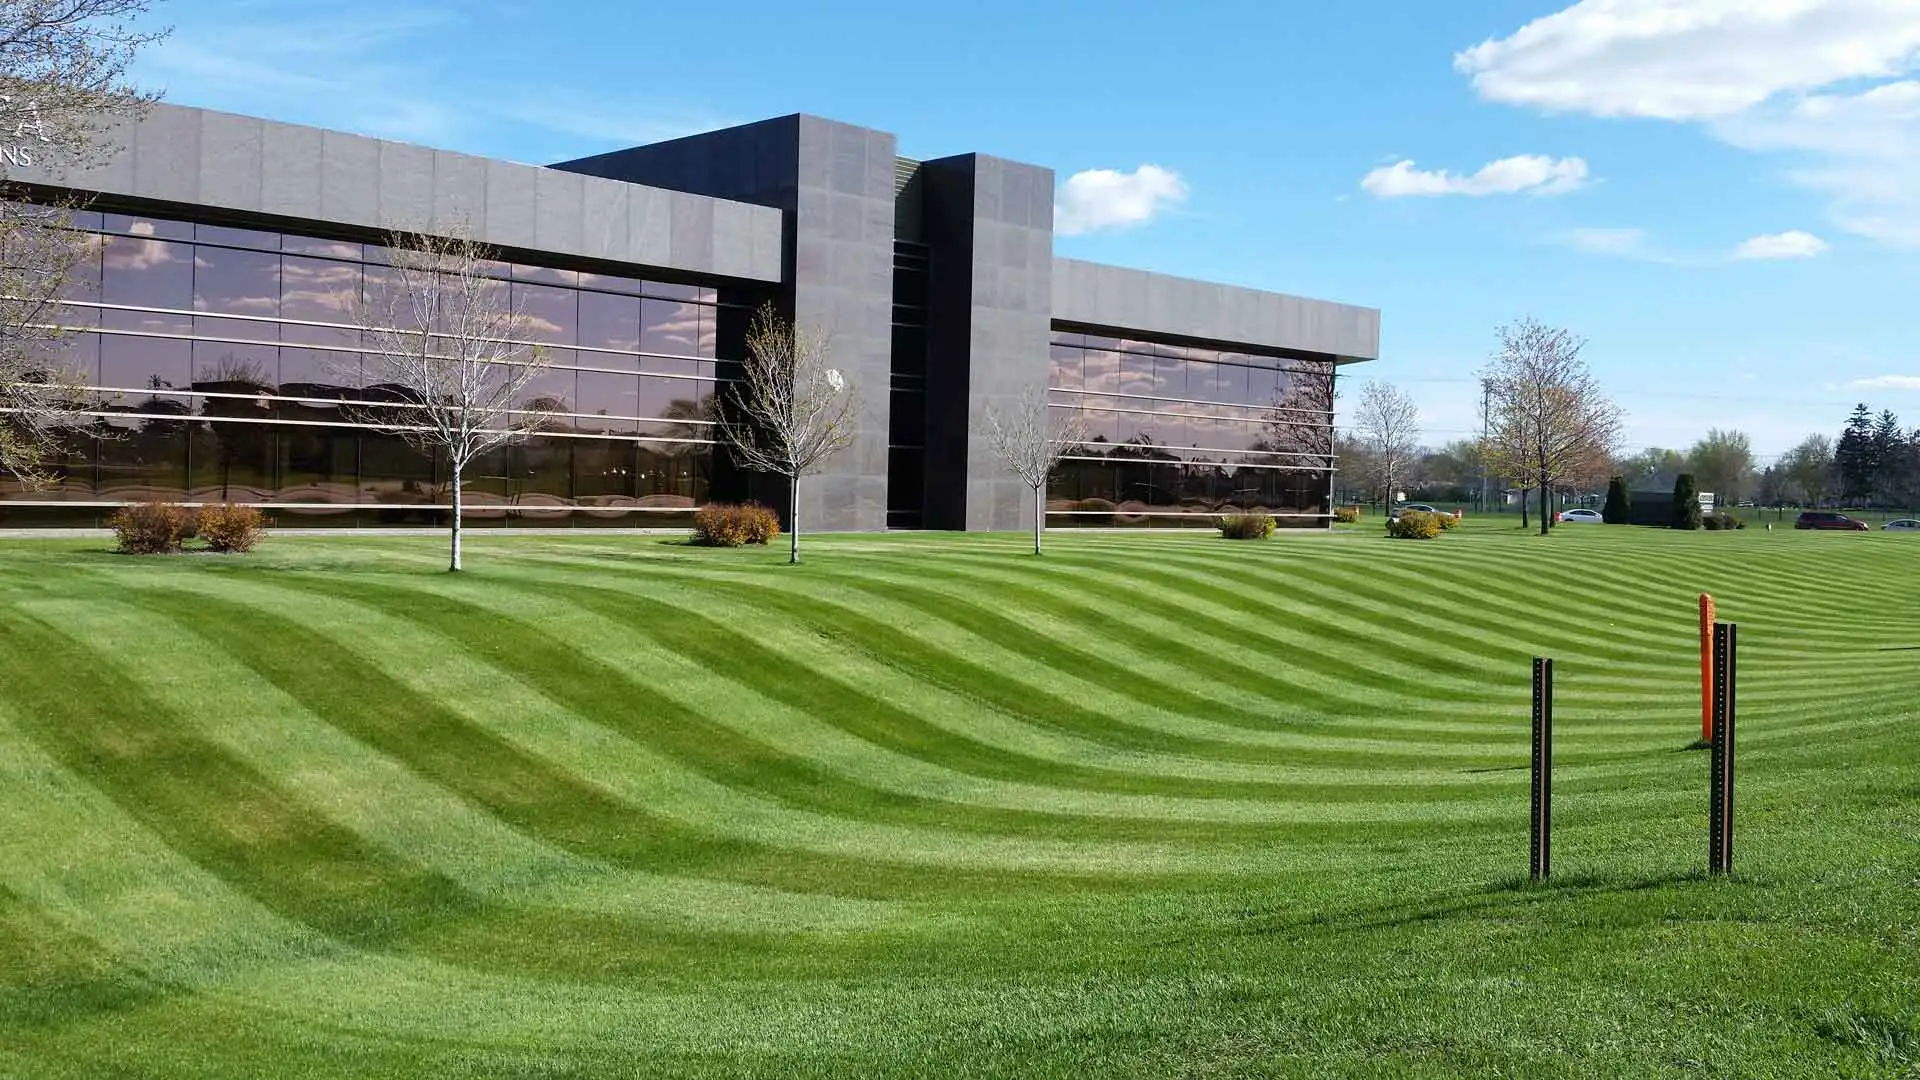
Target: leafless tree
<point x="1549" y="423"/>
<point x="442" y="356"/>
<point x="790" y="410"/>
<point x="62" y="86"/>
<point x="1031" y="438"/>
<point x="1388" y="423"/>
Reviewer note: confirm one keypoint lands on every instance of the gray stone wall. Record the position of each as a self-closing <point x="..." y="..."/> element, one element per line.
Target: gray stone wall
<point x="1119" y="298"/>
<point x="835" y="181"/>
<point x="990" y="230"/>
<point x="244" y="165"/>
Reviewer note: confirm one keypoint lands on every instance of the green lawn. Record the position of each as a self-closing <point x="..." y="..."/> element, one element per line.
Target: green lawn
<point x="1164" y="805"/>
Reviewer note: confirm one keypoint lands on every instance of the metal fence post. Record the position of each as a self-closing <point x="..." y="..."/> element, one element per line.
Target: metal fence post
<point x="1720" y="763"/>
<point x="1539" y="860"/>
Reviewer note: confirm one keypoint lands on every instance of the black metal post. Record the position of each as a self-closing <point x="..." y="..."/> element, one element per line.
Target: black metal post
<point x="1720" y="779"/>
<point x="1541" y="823"/>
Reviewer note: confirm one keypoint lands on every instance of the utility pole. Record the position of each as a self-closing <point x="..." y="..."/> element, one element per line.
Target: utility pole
<point x="1486" y="431"/>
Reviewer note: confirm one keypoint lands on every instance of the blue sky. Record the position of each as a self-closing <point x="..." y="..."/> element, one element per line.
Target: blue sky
<point x="1718" y="194"/>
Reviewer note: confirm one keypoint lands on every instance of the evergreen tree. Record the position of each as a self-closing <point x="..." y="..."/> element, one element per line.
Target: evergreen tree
<point x="1686" y="502"/>
<point x="1889" y="455"/>
<point x="1853" y="456"/>
<point x="1618" y="510"/>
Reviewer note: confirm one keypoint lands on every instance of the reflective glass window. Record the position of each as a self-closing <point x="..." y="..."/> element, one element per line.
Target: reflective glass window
<point x="1065" y="368"/>
<point x="239" y="238"/>
<point x="329" y="249"/>
<point x="552" y="390"/>
<point x="226" y="367"/>
<point x="669" y="327"/>
<point x="547" y="313"/>
<point x="141" y="363"/>
<point x="604" y="472"/>
<point x="612" y="283"/>
<point x="146" y="225"/>
<point x="145" y="273"/>
<point x="230" y="461"/>
<point x="318" y="290"/>
<point x="320" y="373"/>
<point x="610" y="322"/>
<point x="1103" y="371"/>
<point x="608" y="402"/>
<point x="546" y="275"/>
<point x="144" y="459"/>
<point x="317" y="464"/>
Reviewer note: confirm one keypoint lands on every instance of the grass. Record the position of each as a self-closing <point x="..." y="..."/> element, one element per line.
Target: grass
<point x="924" y="806"/>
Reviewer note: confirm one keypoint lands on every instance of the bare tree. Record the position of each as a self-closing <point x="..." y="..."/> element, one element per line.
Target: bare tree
<point x="790" y="410"/>
<point x="1388" y="422"/>
<point x="1032" y="438"/>
<point x="62" y="86"/>
<point x="442" y="355"/>
<point x="1549" y="423"/>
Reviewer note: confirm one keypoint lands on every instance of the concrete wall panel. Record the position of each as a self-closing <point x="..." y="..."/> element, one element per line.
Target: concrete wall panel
<point x="329" y="178"/>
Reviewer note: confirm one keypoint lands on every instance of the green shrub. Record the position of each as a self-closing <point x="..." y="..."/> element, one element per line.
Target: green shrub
<point x="1619" y="507"/>
<point x="1711" y="523"/>
<point x="151" y="528"/>
<point x="1724" y="519"/>
<point x="231" y="528"/>
<point x="1246" y="526"/>
<point x="1448" y="522"/>
<point x="1686" y="502"/>
<point x="1415" y="525"/>
<point x="733" y="525"/>
<point x="1346" y="515"/>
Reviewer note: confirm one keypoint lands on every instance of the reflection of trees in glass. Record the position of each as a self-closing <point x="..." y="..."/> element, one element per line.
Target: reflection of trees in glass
<point x="237" y="445"/>
<point x="1297" y="428"/>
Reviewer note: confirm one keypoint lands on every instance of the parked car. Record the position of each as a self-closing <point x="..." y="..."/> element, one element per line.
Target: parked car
<point x="1581" y="517"/>
<point x="1394" y="514"/>
<point x="1821" y="519"/>
<point x="1902" y="525"/>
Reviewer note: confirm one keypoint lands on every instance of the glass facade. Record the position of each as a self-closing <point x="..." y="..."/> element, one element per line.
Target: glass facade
<point x="1177" y="432"/>
<point x="225" y="362"/>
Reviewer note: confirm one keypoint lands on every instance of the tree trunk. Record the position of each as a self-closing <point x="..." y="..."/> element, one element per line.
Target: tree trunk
<point x="455" y="563"/>
<point x="1526" y="496"/>
<point x="1039" y="515"/>
<point x="1546" y="517"/>
<point x="793" y="520"/>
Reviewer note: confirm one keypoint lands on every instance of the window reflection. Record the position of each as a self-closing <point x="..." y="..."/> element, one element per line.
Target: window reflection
<point x="226" y="354"/>
<point x="1177" y="432"/>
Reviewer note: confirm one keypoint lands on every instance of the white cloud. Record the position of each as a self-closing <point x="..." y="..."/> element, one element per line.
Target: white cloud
<point x="1887" y="382"/>
<point x="1532" y="174"/>
<point x="1821" y="80"/>
<point x="1098" y="199"/>
<point x="1607" y="241"/>
<point x="1676" y="60"/>
<point x="1793" y="244"/>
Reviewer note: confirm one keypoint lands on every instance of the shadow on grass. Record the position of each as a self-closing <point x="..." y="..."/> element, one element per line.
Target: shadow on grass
<point x="1506" y="894"/>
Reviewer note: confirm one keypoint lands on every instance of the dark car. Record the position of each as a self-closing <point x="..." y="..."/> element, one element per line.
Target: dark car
<point x="1814" y="519"/>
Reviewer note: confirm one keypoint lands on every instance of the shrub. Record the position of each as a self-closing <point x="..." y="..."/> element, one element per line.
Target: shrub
<point x="151" y="528"/>
<point x="1711" y="523"/>
<point x="1686" y="502"/>
<point x="1619" y="507"/>
<point x="1725" y="519"/>
<point x="231" y="528"/>
<point x="1415" y="525"/>
<point x="1246" y="526"/>
<point x="732" y="525"/>
<point x="1346" y="515"/>
<point x="1448" y="522"/>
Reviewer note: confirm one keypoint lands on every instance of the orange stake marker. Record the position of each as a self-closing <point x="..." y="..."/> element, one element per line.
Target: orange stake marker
<point x="1706" y="667"/>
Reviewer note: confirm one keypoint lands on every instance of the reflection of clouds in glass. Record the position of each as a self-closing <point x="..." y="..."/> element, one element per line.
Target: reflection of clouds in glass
<point x="126" y="253"/>
<point x="317" y="289"/>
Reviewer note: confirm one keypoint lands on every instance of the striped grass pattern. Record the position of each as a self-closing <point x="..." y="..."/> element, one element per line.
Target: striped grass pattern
<point x="1160" y="805"/>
